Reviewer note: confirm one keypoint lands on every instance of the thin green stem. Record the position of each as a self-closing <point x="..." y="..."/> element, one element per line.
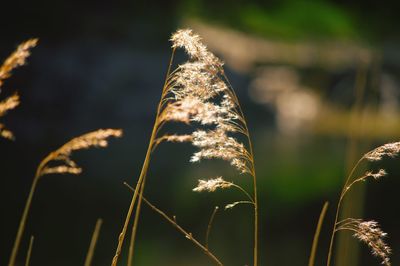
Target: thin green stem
<point x="311" y="261"/>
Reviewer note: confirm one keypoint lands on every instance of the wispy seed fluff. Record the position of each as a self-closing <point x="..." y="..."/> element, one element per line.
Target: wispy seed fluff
<point x="212" y="184"/>
<point x="369" y="233"/>
<point x="6" y="105"/>
<point x="186" y="39"/>
<point x="16" y="59"/>
<point x="389" y="149"/>
<point x="61" y="156"/>
<point x="198" y="94"/>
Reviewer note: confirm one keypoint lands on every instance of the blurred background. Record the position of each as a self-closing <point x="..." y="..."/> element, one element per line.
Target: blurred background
<point x="319" y="83"/>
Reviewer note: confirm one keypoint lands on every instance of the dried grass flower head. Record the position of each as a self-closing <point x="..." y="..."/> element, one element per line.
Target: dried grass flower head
<point x="186" y="39"/>
<point x="212" y="184"/>
<point x="16" y="59"/>
<point x="6" y="105"/>
<point x="198" y="93"/>
<point x="61" y="156"/>
<point x="369" y="233"/>
<point x="389" y="150"/>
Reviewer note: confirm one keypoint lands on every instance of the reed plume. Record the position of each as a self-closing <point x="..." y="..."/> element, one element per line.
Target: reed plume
<point x="16" y="59"/>
<point x="60" y="162"/>
<point x="369" y="233"/>
<point x="198" y="93"/>
<point x="6" y="105"/>
<point x="366" y="231"/>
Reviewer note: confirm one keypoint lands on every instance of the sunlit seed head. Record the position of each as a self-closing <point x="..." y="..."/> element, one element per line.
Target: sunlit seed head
<point x="389" y="149"/>
<point x="212" y="184"/>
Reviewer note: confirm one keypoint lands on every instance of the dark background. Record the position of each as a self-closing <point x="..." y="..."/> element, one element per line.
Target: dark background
<point x="101" y="64"/>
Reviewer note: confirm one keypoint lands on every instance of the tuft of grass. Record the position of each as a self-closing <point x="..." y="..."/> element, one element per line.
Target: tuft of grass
<point x="197" y="93"/>
<point x="366" y="231"/>
<point x="63" y="165"/>
<point x="93" y="242"/>
<point x="16" y="59"/>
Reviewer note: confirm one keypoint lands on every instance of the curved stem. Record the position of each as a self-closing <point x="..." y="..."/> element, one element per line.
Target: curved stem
<point x="121" y="237"/>
<point x="210" y="225"/>
<point x="93" y="242"/>
<point x="183" y="231"/>
<point x="180" y="229"/>
<point x="244" y="191"/>
<point x="135" y="226"/>
<point x="344" y="190"/>
<point x="143" y="172"/>
<point x="22" y="223"/>
<point x="253" y="171"/>
<point x="311" y="261"/>
<point x="29" y="253"/>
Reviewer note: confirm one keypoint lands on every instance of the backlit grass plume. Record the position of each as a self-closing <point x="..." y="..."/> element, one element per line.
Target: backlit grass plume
<point x="197" y="93"/>
<point x="369" y="233"/>
<point x="60" y="162"/>
<point x="16" y="59"/>
<point x="366" y="231"/>
<point x="6" y="105"/>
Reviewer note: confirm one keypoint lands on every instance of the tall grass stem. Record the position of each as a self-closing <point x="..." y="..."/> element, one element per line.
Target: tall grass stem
<point x="311" y="261"/>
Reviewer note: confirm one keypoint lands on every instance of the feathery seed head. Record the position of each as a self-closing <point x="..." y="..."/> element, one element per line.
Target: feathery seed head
<point x="186" y="39"/>
<point x="389" y="149"/>
<point x="98" y="138"/>
<point x="5" y="133"/>
<point x="16" y="59"/>
<point x="8" y="104"/>
<point x="376" y="175"/>
<point x="197" y="93"/>
<point x="369" y="233"/>
<point x="178" y="138"/>
<point x="216" y="144"/>
<point x="212" y="184"/>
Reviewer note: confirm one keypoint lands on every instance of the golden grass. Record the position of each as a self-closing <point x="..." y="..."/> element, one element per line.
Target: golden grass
<point x="16" y="59"/>
<point x="196" y="93"/>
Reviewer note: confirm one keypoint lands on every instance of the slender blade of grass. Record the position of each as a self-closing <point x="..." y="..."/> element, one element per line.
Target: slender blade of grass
<point x="93" y="242"/>
<point x="311" y="261"/>
<point x="29" y="253"/>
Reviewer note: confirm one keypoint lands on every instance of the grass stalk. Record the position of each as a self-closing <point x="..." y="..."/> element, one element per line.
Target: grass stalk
<point x="188" y="235"/>
<point x="344" y="190"/>
<point x="210" y="222"/>
<point x="96" y="138"/>
<point x="135" y="226"/>
<point x="348" y="251"/>
<point x="29" y="253"/>
<point x="246" y="132"/>
<point x="144" y="170"/>
<point x="22" y="223"/>
<point x="311" y="261"/>
<point x="93" y="242"/>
